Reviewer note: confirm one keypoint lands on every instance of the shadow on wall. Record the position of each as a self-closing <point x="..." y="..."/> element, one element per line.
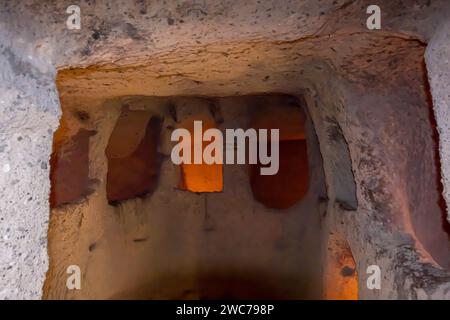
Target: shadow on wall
<point x="133" y="172"/>
<point x="290" y="184"/>
<point x="217" y="286"/>
<point x="70" y="156"/>
<point x="426" y="227"/>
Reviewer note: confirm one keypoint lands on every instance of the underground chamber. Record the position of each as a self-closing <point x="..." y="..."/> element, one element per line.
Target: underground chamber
<point x="95" y="206"/>
<point x="140" y="226"/>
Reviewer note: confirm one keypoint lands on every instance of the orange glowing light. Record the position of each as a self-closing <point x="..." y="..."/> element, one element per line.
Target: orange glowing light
<point x="200" y="177"/>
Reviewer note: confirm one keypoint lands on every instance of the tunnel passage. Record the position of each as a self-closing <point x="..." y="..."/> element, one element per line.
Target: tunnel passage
<point x="172" y="234"/>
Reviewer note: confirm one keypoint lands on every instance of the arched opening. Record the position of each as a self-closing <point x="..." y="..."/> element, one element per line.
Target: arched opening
<point x="290" y="184"/>
<point x="200" y="177"/>
<point x="133" y="158"/>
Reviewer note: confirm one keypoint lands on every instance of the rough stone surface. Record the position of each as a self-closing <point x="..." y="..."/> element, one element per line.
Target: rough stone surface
<point x="178" y="244"/>
<point x="371" y="83"/>
<point x="438" y="63"/>
<point x="29" y="115"/>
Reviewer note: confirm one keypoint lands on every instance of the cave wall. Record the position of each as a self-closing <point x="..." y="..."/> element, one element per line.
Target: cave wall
<point x="222" y="49"/>
<point x="437" y="59"/>
<point x="179" y="244"/>
<point x="384" y="230"/>
<point x="30" y="111"/>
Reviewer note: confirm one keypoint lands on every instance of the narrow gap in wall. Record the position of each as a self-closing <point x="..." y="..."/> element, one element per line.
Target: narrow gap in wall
<point x="434" y="231"/>
<point x="133" y="158"/>
<point x="343" y="180"/>
<point x="435" y="134"/>
<point x="290" y="184"/>
<point x="71" y="154"/>
<point x="202" y="177"/>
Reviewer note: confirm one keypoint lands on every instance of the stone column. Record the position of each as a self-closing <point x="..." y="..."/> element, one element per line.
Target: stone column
<point x="438" y="63"/>
<point x="29" y="109"/>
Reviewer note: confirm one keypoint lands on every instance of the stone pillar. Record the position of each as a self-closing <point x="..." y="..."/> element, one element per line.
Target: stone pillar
<point x="29" y="111"/>
<point x="438" y="63"/>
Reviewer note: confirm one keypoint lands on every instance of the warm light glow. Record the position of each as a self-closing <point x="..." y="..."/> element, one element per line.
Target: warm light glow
<point x="293" y="170"/>
<point x="290" y="121"/>
<point x="200" y="177"/>
<point x="341" y="278"/>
